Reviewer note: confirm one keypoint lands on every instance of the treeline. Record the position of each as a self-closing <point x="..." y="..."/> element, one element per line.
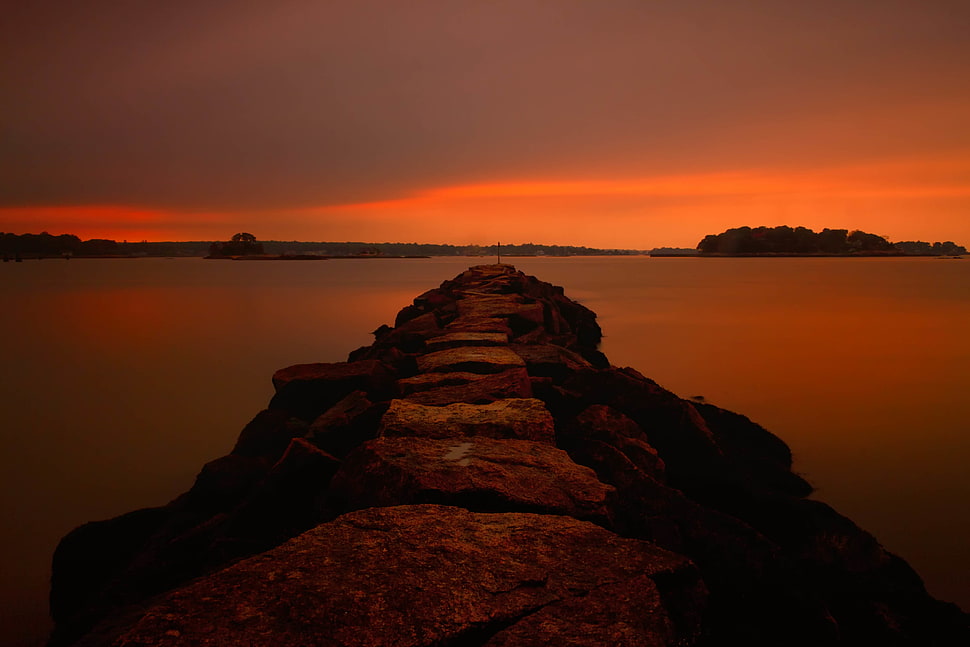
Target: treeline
<point x="919" y="248"/>
<point x="47" y="245"/>
<point x="428" y="249"/>
<point x="803" y="241"/>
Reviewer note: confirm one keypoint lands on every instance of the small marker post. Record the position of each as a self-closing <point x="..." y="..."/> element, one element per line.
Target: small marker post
<point x="499" y="247"/>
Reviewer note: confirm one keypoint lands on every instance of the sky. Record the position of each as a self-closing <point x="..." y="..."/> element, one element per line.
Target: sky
<point x="607" y="123"/>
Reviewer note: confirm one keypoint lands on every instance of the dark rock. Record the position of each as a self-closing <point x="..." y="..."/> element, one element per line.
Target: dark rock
<point x="606" y="424"/>
<point x="549" y="360"/>
<point x="429" y="575"/>
<point x="764" y="457"/>
<point x="628" y="613"/>
<point x="672" y="426"/>
<point x="871" y="592"/>
<point x="268" y="434"/>
<point x="346" y="424"/>
<point x="760" y="595"/>
<point x="90" y="557"/>
<point x="222" y="483"/>
<point x="307" y="390"/>
<point x="521" y="314"/>
<point x="474" y="472"/>
<point x="409" y="336"/>
<point x="287" y="502"/>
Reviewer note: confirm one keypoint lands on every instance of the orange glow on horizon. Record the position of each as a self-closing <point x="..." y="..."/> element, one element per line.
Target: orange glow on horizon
<point x="112" y="222"/>
<point x="849" y="182"/>
<point x="887" y="197"/>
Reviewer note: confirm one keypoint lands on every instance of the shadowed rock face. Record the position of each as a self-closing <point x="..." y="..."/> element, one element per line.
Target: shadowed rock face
<point x="481" y="475"/>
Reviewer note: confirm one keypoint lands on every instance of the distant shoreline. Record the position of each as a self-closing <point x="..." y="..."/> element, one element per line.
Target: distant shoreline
<point x="313" y="257"/>
<point x="794" y="255"/>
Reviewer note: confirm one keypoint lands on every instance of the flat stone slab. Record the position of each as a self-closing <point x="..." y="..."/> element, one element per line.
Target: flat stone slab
<point x="517" y="418"/>
<point x="472" y="388"/>
<point x="459" y="339"/>
<point x="470" y="359"/>
<point x="426" y="381"/>
<point x="501" y="306"/>
<point x="472" y="472"/>
<point x="480" y="324"/>
<point x="359" y="581"/>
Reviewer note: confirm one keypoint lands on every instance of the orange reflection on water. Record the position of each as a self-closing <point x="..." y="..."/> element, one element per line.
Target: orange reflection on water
<point x="124" y="319"/>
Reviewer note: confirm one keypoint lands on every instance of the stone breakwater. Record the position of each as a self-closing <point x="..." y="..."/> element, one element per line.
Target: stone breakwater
<point x="481" y="475"/>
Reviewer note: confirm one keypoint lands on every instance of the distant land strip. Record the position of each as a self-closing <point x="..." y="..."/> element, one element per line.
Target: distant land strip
<point x="780" y="241"/>
<point x="51" y="246"/>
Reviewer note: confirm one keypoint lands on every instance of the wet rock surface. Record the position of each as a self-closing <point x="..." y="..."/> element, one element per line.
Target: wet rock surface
<point x="481" y="475"/>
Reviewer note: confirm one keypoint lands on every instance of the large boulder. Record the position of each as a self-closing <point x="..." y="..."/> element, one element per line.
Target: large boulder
<point x="763" y="457"/>
<point x="474" y="472"/>
<point x="691" y="456"/>
<point x="522" y="313"/>
<point x="601" y="423"/>
<point x="88" y="559"/>
<point x="550" y="360"/>
<point x="346" y="424"/>
<point x="307" y="390"/>
<point x="423" y="576"/>
<point x="268" y="434"/>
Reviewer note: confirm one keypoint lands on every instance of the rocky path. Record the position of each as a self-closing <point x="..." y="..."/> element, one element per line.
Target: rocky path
<point x="481" y="475"/>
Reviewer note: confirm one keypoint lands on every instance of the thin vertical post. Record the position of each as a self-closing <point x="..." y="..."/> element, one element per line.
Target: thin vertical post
<point x="499" y="252"/>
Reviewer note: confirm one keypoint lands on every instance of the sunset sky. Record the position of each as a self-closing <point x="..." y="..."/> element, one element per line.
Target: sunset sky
<point x="608" y="123"/>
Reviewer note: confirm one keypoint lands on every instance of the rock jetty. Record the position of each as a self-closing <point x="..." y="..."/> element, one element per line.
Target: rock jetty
<point x="482" y="476"/>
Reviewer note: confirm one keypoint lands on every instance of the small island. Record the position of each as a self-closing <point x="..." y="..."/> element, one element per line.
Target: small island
<point x="801" y="241"/>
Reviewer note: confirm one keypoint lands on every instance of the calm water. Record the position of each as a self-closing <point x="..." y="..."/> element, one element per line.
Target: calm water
<point x="122" y="377"/>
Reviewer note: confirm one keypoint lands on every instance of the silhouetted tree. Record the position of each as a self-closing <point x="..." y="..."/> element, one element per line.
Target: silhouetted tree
<point x="833" y="241"/>
<point x="862" y="241"/>
<point x="241" y="244"/>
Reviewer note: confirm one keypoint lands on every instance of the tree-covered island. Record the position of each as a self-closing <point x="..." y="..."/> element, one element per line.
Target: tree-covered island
<point x="801" y="241"/>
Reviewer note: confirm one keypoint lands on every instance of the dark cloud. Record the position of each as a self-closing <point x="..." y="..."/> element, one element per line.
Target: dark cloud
<point x="251" y="104"/>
